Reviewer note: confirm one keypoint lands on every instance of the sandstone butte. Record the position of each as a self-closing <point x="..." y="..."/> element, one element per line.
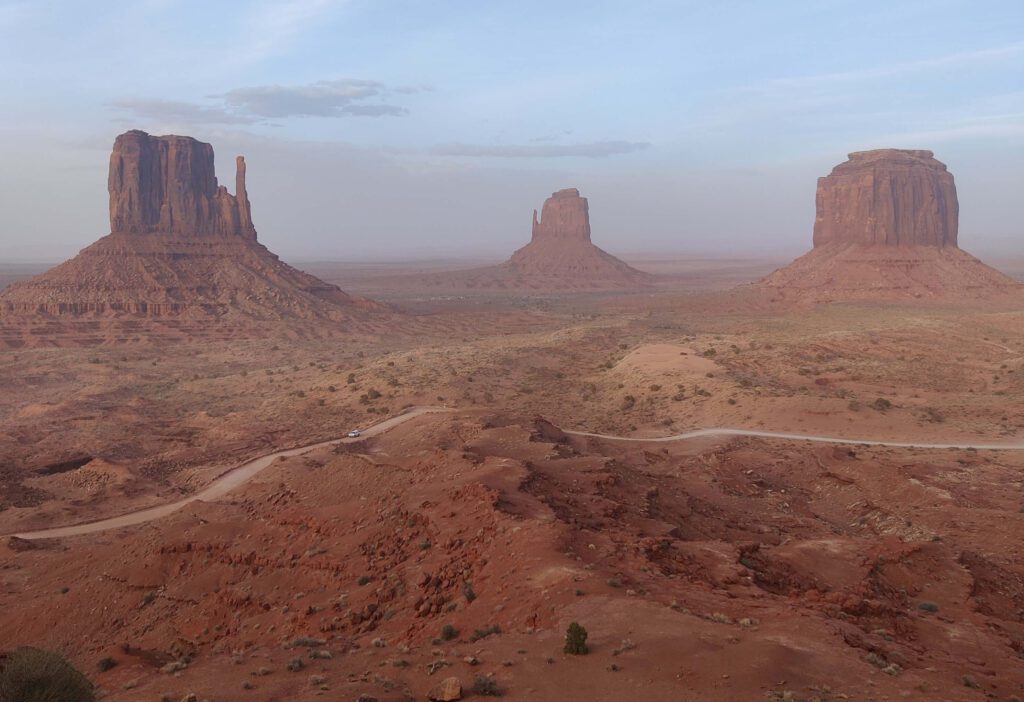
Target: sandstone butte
<point x="182" y="250"/>
<point x="559" y="256"/>
<point x="886" y="227"/>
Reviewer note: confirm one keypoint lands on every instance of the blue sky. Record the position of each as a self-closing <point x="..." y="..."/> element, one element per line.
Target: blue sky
<point x="384" y="129"/>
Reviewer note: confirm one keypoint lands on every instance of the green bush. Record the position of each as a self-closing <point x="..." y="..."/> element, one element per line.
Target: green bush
<point x="486" y="686"/>
<point x="33" y="675"/>
<point x="576" y="640"/>
<point x="449" y="632"/>
<point x="485" y="632"/>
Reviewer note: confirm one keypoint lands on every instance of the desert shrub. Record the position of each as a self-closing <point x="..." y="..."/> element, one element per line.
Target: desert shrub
<point x="881" y="404"/>
<point x="449" y="632"/>
<point x="928" y="607"/>
<point x="308" y="642"/>
<point x="627" y="402"/>
<point x="468" y="591"/>
<point x="486" y="686"/>
<point x="351" y="379"/>
<point x="105" y="664"/>
<point x="655" y="387"/>
<point x="364" y="580"/>
<point x="373" y="394"/>
<point x="33" y="675"/>
<point x="485" y="632"/>
<point x="575" y="640"/>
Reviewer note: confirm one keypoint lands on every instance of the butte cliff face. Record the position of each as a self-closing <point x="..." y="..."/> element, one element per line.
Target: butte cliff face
<point x="560" y="256"/>
<point x="886" y="228"/>
<point x="182" y="255"/>
<point x="564" y="217"/>
<point x="167" y="184"/>
<point x="887" y="197"/>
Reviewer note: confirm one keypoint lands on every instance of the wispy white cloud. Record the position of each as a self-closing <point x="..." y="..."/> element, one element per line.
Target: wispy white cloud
<point x="960" y="59"/>
<point x="257" y="105"/>
<point x="179" y="112"/>
<point x="329" y="98"/>
<point x="982" y="127"/>
<point x="274" y="25"/>
<point x="593" y="149"/>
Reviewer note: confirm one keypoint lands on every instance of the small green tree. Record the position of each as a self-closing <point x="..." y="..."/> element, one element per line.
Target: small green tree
<point x="33" y="675"/>
<point x="575" y="640"/>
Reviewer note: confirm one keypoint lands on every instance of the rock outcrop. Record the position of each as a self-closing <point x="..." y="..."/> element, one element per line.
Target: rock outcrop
<point x="886" y="228"/>
<point x="182" y="255"/>
<point x="564" y="217"/>
<point x="887" y="197"/>
<point x="167" y="184"/>
<point x="559" y="256"/>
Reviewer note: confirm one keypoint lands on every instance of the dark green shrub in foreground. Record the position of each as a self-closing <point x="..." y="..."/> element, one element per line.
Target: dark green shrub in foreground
<point x="575" y="640"/>
<point x="486" y="686"/>
<point x="32" y="675"/>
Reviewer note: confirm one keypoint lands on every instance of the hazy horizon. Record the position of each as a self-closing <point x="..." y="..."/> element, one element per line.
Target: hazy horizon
<point x="376" y="131"/>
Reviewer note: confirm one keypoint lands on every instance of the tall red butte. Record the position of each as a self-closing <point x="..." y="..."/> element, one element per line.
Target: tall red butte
<point x="886" y="227"/>
<point x="181" y="255"/>
<point x="560" y="256"/>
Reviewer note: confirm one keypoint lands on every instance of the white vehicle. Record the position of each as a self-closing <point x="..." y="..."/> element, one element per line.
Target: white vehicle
<point x="355" y="434"/>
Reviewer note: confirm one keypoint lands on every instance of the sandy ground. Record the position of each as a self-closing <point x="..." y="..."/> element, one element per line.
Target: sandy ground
<point x="718" y="568"/>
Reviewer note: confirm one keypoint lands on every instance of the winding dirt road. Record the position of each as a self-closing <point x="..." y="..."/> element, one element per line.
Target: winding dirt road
<point x="222" y="485"/>
<point x="241" y="474"/>
<point x="725" y="431"/>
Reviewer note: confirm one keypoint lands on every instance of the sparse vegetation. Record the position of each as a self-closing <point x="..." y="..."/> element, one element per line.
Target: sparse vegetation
<point x="485" y="632"/>
<point x="486" y="686"/>
<point x="34" y="675"/>
<point x="575" y="640"/>
<point x="449" y="632"/>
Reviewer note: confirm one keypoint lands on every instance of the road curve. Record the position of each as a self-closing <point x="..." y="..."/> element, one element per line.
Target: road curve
<point x="725" y="431"/>
<point x="222" y="485"/>
<point x="241" y="474"/>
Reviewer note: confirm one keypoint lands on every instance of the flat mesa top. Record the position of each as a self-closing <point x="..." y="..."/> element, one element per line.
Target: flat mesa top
<point x="891" y="158"/>
<point x="566" y="193"/>
<point x="147" y="135"/>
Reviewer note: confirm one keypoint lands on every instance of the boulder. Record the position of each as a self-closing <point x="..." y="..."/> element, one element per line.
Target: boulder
<point x="447" y="690"/>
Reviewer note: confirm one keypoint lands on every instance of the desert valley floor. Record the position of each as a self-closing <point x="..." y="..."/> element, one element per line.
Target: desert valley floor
<point x="463" y="542"/>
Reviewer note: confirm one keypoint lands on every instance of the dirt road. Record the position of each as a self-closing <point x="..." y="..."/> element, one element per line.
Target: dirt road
<point x="239" y="475"/>
<point x="222" y="485"/>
